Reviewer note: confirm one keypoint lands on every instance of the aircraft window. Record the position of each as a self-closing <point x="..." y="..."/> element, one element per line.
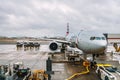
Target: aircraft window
<point x="103" y="38"/>
<point x="98" y="38"/>
<point x="92" y="38"/>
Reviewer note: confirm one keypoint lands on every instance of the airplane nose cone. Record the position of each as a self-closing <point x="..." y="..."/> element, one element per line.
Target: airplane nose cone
<point x="102" y="45"/>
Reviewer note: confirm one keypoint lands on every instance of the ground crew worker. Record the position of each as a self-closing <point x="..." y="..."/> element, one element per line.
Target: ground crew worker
<point x="93" y="64"/>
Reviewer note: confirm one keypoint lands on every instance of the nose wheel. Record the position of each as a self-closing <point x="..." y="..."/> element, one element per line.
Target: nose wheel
<point x="93" y="56"/>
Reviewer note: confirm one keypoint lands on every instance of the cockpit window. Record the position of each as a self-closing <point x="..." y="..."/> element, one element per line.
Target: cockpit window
<point x="97" y="38"/>
<point x="92" y="38"/>
<point x="103" y="38"/>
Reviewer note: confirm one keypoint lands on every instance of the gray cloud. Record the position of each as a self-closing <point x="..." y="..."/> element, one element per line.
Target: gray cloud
<point x="49" y="17"/>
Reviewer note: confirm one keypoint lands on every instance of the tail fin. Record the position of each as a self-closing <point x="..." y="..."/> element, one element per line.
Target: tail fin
<point x="67" y="29"/>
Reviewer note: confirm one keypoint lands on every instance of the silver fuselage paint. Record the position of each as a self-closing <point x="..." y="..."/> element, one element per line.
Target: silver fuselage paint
<point x="89" y="46"/>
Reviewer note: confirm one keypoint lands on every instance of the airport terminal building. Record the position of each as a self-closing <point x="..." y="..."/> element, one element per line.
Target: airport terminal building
<point x="113" y="38"/>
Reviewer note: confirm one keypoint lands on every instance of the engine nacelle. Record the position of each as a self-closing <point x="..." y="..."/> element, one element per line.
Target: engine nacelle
<point x="53" y="46"/>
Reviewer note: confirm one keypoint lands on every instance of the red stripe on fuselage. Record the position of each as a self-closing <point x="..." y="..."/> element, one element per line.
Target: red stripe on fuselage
<point x="113" y="38"/>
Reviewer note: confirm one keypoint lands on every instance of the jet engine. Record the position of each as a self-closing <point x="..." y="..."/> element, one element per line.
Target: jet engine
<point x="53" y="46"/>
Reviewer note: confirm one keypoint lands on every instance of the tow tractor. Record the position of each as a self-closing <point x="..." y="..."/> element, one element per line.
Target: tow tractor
<point x="107" y="72"/>
<point x="20" y="73"/>
<point x="41" y="74"/>
<point x="4" y="71"/>
<point x="38" y="75"/>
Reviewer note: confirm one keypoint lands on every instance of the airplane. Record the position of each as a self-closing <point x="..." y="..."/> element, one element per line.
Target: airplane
<point x="88" y="41"/>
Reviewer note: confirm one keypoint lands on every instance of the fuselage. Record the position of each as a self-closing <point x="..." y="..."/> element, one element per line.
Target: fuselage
<point x="89" y="42"/>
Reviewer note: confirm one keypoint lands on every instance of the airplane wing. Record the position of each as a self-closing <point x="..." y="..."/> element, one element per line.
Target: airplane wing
<point x="74" y="50"/>
<point x="62" y="41"/>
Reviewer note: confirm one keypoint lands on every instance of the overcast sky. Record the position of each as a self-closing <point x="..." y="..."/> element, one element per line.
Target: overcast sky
<point x="38" y="18"/>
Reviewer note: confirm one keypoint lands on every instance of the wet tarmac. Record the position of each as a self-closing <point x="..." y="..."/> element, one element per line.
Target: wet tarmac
<point x="36" y="59"/>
